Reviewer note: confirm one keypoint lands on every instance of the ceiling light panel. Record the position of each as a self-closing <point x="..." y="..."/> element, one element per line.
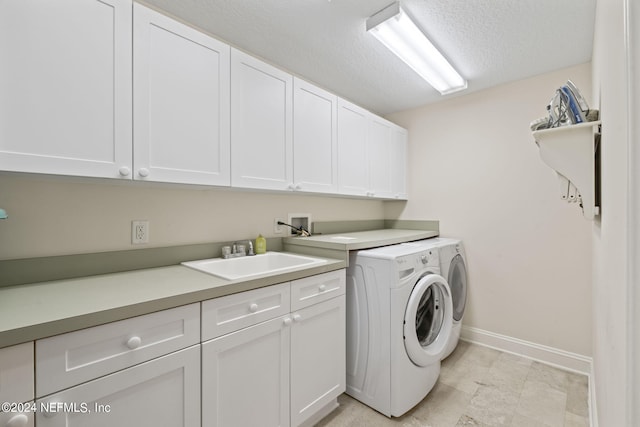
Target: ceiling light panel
<point x="394" y="29"/>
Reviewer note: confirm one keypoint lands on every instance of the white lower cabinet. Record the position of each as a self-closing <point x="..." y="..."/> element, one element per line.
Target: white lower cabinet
<point x="16" y="385"/>
<point x="245" y="377"/>
<point x="317" y="358"/>
<point x="269" y="357"/>
<point x="162" y="392"/>
<point x="286" y="371"/>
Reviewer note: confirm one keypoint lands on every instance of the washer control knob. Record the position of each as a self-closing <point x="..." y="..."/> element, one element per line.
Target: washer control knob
<point x="424" y="259"/>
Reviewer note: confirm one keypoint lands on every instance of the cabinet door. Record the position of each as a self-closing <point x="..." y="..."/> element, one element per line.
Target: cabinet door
<point x="261" y="124"/>
<point x="161" y="392"/>
<point x="379" y="149"/>
<point x="399" y="163"/>
<point x="181" y="101"/>
<point x="245" y="377"/>
<point x="353" y="128"/>
<point x="318" y="371"/>
<point x="315" y="138"/>
<point x="16" y="373"/>
<point x="65" y="82"/>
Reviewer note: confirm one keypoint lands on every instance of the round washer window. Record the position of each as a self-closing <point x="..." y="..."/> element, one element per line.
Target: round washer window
<point x="428" y="320"/>
<point x="429" y="315"/>
<point x="458" y="284"/>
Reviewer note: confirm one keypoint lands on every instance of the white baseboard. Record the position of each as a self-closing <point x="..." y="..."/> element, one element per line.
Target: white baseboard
<point x="549" y="355"/>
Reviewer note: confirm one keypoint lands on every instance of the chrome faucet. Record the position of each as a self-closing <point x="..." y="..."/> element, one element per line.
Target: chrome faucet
<point x="237" y="249"/>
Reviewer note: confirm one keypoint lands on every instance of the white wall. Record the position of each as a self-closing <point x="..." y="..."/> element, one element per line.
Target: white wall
<point x="59" y="216"/>
<point x="614" y="306"/>
<point x="475" y="167"/>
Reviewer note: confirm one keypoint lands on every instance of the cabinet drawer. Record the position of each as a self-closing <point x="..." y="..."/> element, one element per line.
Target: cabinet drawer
<point x="161" y="392"/>
<point x="16" y="373"/>
<point x="315" y="289"/>
<point x="76" y="357"/>
<point x="227" y="314"/>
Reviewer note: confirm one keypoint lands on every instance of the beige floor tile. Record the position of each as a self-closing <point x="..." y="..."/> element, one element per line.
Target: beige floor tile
<point x="442" y="406"/>
<point x="479" y="356"/>
<point x="467" y="367"/>
<point x="554" y="377"/>
<point x="578" y="395"/>
<point x="483" y="387"/>
<point x="573" y="420"/>
<point x="492" y="406"/>
<point x="509" y="373"/>
<point x="466" y="377"/>
<point x="541" y="402"/>
<point x="522" y="421"/>
<point x="466" y="421"/>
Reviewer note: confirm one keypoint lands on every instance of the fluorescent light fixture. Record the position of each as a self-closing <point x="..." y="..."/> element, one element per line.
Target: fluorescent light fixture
<point x="393" y="27"/>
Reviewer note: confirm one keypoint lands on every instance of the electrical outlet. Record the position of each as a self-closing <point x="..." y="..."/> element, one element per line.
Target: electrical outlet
<point x="139" y="232"/>
<point x="278" y="229"/>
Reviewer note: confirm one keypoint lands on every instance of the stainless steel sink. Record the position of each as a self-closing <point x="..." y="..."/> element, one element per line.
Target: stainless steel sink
<point x="249" y="266"/>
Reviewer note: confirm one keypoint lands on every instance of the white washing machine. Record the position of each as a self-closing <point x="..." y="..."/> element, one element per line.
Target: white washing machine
<point x="398" y="326"/>
<point x="453" y="268"/>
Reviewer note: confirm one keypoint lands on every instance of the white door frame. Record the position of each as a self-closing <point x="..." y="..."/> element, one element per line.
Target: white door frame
<point x="632" y="41"/>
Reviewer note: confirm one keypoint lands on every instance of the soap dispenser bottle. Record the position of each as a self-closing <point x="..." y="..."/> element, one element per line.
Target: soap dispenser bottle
<point x="261" y="245"/>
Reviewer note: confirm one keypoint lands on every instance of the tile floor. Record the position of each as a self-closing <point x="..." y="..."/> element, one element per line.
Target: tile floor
<point x="480" y="386"/>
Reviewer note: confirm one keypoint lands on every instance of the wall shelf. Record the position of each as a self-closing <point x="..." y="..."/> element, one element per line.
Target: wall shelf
<point x="571" y="152"/>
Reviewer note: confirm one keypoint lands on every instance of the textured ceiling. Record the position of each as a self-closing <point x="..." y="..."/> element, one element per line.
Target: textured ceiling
<point x="489" y="41"/>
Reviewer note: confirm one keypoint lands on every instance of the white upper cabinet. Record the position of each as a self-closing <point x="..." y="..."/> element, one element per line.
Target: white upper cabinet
<point x="399" y="162"/>
<point x="353" y="134"/>
<point x="261" y="124"/>
<point x="371" y="154"/>
<point x="181" y="100"/>
<point x="315" y="138"/>
<point x="379" y="157"/>
<point x="65" y="82"/>
<point x="113" y="89"/>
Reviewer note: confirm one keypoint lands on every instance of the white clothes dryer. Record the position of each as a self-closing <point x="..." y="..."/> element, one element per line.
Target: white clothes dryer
<point x="398" y="326"/>
<point x="453" y="268"/>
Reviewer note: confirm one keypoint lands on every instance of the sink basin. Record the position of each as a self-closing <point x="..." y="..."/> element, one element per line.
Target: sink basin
<point x="248" y="266"/>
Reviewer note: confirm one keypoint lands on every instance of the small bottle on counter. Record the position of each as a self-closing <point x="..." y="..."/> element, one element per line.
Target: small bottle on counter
<point x="261" y="245"/>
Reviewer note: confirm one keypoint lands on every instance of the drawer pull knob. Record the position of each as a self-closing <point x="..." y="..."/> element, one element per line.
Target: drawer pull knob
<point x="253" y="307"/>
<point x="322" y="288"/>
<point x="19" y="420"/>
<point x="297" y="318"/>
<point x="134" y="342"/>
<point x="287" y="321"/>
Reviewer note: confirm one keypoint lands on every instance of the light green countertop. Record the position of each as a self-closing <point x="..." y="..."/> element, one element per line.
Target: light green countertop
<point x="39" y="310"/>
<point x="359" y="239"/>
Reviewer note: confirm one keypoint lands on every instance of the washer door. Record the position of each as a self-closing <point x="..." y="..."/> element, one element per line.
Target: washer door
<point x="458" y="285"/>
<point x="428" y="320"/>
